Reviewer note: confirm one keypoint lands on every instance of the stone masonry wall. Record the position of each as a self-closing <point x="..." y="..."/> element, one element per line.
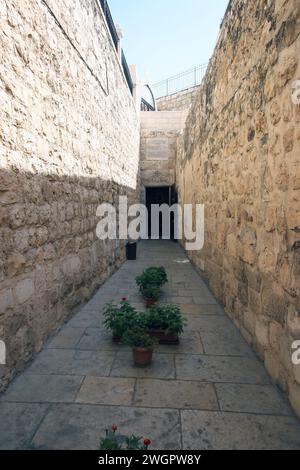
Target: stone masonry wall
<point x="240" y="156"/>
<point x="159" y="133"/>
<point x="69" y="140"/>
<point x="178" y="101"/>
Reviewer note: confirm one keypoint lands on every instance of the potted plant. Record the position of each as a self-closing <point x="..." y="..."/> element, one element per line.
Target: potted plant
<point x="151" y="294"/>
<point x="119" y="318"/>
<point x="114" y="441"/>
<point x="156" y="276"/>
<point x="150" y="283"/>
<point x="141" y="344"/>
<point x="165" y="322"/>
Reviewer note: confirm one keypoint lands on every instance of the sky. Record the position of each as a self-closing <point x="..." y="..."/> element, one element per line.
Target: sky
<point x="166" y="37"/>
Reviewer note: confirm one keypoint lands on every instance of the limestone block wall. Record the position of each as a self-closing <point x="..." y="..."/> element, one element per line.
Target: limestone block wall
<point x="177" y="101"/>
<point x="240" y="156"/>
<point x="158" y="150"/>
<point x="69" y="140"/>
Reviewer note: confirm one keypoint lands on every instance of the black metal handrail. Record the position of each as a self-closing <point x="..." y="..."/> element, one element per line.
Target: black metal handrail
<point x="145" y="106"/>
<point x="126" y="72"/>
<point x="115" y="38"/>
<point x="110" y="22"/>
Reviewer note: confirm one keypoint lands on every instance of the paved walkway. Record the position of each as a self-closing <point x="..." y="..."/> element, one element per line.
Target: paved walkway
<point x="211" y="392"/>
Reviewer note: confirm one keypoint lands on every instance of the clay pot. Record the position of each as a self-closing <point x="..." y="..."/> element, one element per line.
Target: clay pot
<point x="158" y="334"/>
<point x="150" y="303"/>
<point x="142" y="357"/>
<point x="164" y="338"/>
<point x="169" y="340"/>
<point x="117" y="339"/>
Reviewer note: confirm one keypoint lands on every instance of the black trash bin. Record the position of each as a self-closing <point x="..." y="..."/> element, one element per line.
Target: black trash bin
<point x="131" y="251"/>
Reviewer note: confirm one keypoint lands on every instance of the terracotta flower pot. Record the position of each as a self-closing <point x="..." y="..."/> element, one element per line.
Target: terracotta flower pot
<point x="164" y="338"/>
<point x="117" y="339"/>
<point x="169" y="339"/>
<point x="150" y="303"/>
<point x="158" y="334"/>
<point x="142" y="357"/>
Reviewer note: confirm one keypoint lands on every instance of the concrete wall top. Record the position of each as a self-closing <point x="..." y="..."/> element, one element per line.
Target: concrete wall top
<point x="163" y="120"/>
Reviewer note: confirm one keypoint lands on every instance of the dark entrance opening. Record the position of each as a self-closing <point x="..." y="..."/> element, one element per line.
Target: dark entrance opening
<point x="161" y="195"/>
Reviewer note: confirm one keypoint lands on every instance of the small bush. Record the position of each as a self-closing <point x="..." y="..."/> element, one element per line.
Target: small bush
<point x="119" y="318"/>
<point x="165" y="317"/>
<point x="113" y="441"/>
<point x="138" y="338"/>
<point x="154" y="276"/>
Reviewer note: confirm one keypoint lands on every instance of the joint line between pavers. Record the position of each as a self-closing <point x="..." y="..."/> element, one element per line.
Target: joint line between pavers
<point x="99" y="405"/>
<point x="30" y="440"/>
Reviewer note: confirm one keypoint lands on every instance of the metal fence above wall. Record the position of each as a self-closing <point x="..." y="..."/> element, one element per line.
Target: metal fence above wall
<point x="180" y="82"/>
<point x="127" y="72"/>
<point x="110" y="22"/>
<point x="145" y="106"/>
<point x="115" y="38"/>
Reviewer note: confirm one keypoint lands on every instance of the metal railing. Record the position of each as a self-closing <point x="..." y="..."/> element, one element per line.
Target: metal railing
<point x="145" y="106"/>
<point x="188" y="79"/>
<point x="115" y="38"/>
<point x="110" y="22"/>
<point x="127" y="72"/>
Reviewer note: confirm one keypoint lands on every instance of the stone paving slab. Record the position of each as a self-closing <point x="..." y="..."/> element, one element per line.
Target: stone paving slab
<point x="163" y="367"/>
<point x="212" y="383"/>
<point x="190" y="343"/>
<point x="67" y="338"/>
<point x="96" y="339"/>
<point x="210" y="323"/>
<point x="193" y="309"/>
<point x="87" y="319"/>
<point x="220" y="369"/>
<point x="106" y="391"/>
<point x="18" y="424"/>
<point x="234" y="431"/>
<point x="80" y="427"/>
<point x="175" y="394"/>
<point x="225" y="343"/>
<point x="205" y="300"/>
<point x="70" y="362"/>
<point x="264" y="399"/>
<point x="43" y="388"/>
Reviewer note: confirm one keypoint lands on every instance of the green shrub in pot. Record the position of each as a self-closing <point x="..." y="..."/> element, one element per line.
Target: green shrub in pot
<point x="166" y="322"/>
<point x="141" y="344"/>
<point x="150" y="283"/>
<point x="118" y="318"/>
<point x="155" y="276"/>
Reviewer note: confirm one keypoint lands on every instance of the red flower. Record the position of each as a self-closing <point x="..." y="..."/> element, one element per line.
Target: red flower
<point x="124" y="299"/>
<point x="147" y="442"/>
<point x="114" y="428"/>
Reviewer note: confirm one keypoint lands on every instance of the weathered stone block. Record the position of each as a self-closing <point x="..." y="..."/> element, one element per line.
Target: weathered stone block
<point x="15" y="264"/>
<point x="24" y="290"/>
<point x="262" y="331"/>
<point x="6" y="300"/>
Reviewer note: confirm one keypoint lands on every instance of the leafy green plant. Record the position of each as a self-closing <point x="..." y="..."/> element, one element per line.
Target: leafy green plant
<point x="113" y="441"/>
<point x="151" y="292"/>
<point x="154" y="276"/>
<point x="150" y="282"/>
<point x="138" y="338"/>
<point x="165" y="317"/>
<point x="119" y="318"/>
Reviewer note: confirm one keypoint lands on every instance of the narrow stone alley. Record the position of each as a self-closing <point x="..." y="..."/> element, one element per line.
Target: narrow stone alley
<point x="210" y="392"/>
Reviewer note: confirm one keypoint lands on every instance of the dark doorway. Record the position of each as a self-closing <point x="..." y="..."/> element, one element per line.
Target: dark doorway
<point x="160" y="195"/>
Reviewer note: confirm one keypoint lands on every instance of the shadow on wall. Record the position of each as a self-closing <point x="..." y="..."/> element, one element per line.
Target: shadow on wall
<point x="51" y="259"/>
